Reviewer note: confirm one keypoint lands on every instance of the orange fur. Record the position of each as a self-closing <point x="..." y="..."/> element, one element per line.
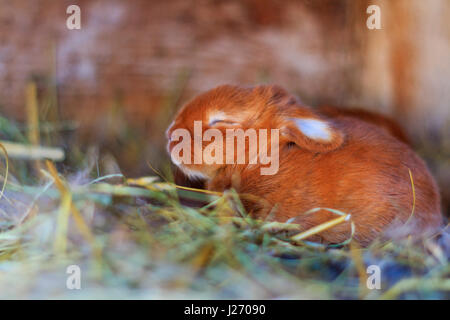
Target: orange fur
<point x="362" y="169"/>
<point x="379" y="120"/>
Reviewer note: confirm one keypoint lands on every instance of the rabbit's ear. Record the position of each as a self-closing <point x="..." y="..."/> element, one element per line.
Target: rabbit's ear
<point x="312" y="133"/>
<point x="301" y="125"/>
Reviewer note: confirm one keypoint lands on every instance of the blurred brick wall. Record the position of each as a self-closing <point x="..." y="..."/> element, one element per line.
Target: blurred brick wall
<point x="141" y="49"/>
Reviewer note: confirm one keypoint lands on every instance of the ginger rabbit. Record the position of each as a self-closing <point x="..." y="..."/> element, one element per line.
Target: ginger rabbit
<point x="327" y="159"/>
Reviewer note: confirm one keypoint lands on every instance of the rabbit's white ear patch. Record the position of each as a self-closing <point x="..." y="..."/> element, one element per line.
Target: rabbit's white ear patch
<point x="313" y="134"/>
<point x="314" y="129"/>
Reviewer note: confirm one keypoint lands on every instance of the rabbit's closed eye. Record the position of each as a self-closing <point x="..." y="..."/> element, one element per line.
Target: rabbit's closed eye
<point x="221" y="117"/>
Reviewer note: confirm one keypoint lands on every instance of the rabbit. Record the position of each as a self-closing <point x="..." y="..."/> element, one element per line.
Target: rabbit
<point x="327" y="159"/>
<point x="381" y="121"/>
